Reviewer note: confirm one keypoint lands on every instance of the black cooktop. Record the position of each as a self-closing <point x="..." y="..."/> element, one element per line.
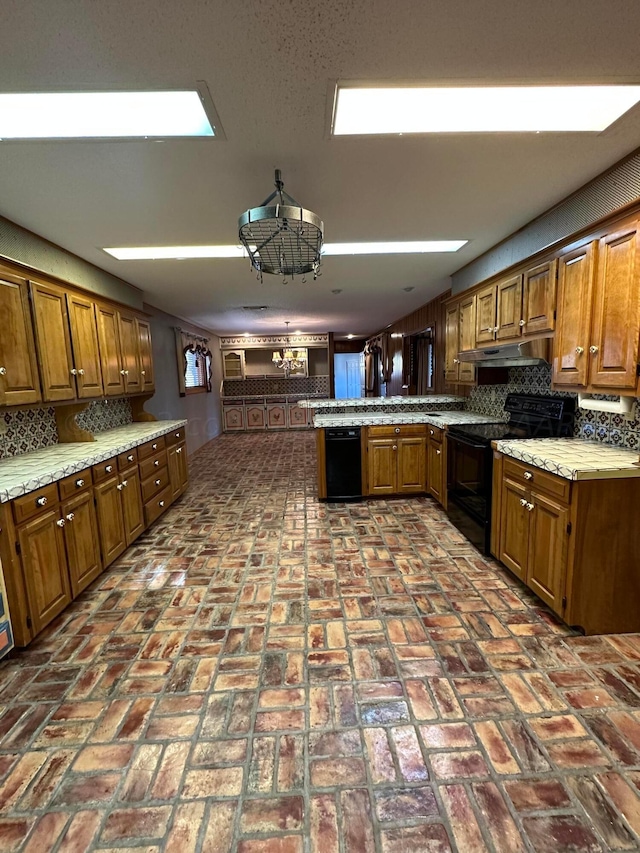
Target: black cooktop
<point x="483" y="433"/>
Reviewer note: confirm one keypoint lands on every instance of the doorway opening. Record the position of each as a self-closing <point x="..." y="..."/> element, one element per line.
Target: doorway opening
<point x="348" y="368"/>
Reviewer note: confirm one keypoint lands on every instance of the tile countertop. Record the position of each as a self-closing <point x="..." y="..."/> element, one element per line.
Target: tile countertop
<point x="374" y="418"/>
<point x="381" y="402"/>
<point x="573" y="458"/>
<point x="29" y="471"/>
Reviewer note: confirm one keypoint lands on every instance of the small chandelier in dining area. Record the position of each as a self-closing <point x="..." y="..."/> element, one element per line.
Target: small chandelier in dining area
<point x="289" y="359"/>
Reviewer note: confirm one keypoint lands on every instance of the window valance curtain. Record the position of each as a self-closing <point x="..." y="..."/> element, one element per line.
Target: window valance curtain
<point x="189" y="342"/>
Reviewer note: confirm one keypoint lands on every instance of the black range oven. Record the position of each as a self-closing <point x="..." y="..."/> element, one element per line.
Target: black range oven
<point x="470" y="457"/>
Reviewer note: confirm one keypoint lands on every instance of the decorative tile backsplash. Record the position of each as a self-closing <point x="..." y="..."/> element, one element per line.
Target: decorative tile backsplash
<point x="33" y="429"/>
<point x="264" y="387"/>
<point x="600" y="426"/>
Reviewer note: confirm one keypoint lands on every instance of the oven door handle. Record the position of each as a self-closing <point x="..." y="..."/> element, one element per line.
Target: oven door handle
<point x="460" y="440"/>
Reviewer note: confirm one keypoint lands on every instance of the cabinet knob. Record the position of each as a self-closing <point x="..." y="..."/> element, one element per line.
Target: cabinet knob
<point x="522" y="323"/>
<point x="528" y="475"/>
<point x="60" y="522"/>
<point x="154" y="446"/>
<point x="530" y="507"/>
<point x="124" y="483"/>
<point x="70" y="516"/>
<point x="41" y="501"/>
<point x="157" y="482"/>
<point x="438" y="452"/>
<point x="130" y="457"/>
<point x="496" y="328"/>
<point x="397" y="429"/>
<point x="3" y="371"/>
<point x="178" y="450"/>
<point x="123" y="372"/>
<point x="456" y="361"/>
<point x="120" y="487"/>
<point x="80" y="483"/>
<point x="177" y="435"/>
<point x="108" y="468"/>
<point x="160" y="503"/>
<point x="431" y="432"/>
<point x="579" y="350"/>
<point x="156" y="462"/>
<point x="126" y="373"/>
<point x="593" y="349"/>
<point x="143" y="373"/>
<point x="81" y="371"/>
<point x="73" y="371"/>
<point x="395" y="447"/>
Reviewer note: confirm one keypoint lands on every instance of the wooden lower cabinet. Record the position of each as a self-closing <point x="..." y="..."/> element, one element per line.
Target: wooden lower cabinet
<point x="382" y="466"/>
<point x="412" y="465"/>
<point x="396" y="460"/>
<point x="436" y="465"/>
<point x="574" y="543"/>
<point x="81" y="540"/>
<point x="131" y="498"/>
<point x="44" y="563"/>
<point x="113" y="539"/>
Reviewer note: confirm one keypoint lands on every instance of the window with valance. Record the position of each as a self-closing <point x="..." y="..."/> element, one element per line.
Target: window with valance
<point x="194" y="363"/>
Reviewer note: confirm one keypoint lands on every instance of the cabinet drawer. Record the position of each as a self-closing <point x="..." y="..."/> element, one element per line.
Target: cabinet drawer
<point x="537" y="479"/>
<point x="74" y="484"/>
<point x="155" y="463"/>
<point x="175" y="436"/>
<point x="156" y="506"/>
<point x="151" y="447"/>
<point x="390" y="431"/>
<point x="104" y="469"/>
<point x="35" y="502"/>
<point x="154" y="484"/>
<point x="125" y="460"/>
<point x="434" y="433"/>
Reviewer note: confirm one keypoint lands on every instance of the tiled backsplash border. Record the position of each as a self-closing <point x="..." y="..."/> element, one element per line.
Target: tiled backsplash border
<point x="600" y="426"/>
<point x="32" y="429"/>
<point x="264" y="387"/>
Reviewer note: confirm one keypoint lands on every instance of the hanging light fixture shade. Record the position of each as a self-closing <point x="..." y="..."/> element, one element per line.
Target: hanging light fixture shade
<point x="281" y="237"/>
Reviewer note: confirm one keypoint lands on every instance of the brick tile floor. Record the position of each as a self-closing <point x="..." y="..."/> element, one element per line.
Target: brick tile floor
<point x="263" y="673"/>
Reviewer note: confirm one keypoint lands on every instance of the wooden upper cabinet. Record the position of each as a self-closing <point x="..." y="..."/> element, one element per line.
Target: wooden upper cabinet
<point x="486" y="314"/>
<point x="467" y="308"/>
<point x="145" y="355"/>
<point x="613" y="353"/>
<point x="509" y="308"/>
<point x="575" y="296"/>
<point x="54" y="342"/>
<point x="19" y="383"/>
<point x="539" y="299"/>
<point x="84" y="339"/>
<point x="109" y="339"/>
<point x="129" y="349"/>
<point x="451" y="343"/>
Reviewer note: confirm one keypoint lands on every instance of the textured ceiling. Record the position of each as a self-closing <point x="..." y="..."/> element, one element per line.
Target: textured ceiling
<point x="268" y="65"/>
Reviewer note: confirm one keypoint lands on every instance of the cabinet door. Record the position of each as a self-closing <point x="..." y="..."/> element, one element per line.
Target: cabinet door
<point x="547" y="559"/>
<point x="233" y="365"/>
<point x="575" y="293"/>
<point x="131" y="497"/>
<point x="145" y="355"/>
<point x="44" y="564"/>
<point x="451" y="343"/>
<point x="382" y="463"/>
<point x="178" y="471"/>
<point x="54" y="342"/>
<point x="84" y="340"/>
<point x="232" y="417"/>
<point x="109" y="339"/>
<point x="616" y="318"/>
<point x="81" y="539"/>
<point x="296" y="417"/>
<point x="19" y="383"/>
<point x="183" y="465"/>
<point x="276" y="416"/>
<point x="412" y="465"/>
<point x="256" y="415"/>
<point x="539" y="299"/>
<point x="110" y="520"/>
<point x="486" y="314"/>
<point x="435" y="469"/>
<point x="129" y="349"/>
<point x="467" y="370"/>
<point x="514" y="528"/>
<point x="509" y="308"/>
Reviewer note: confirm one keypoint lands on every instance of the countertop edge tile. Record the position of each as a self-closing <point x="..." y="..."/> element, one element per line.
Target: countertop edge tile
<point x="573" y="458"/>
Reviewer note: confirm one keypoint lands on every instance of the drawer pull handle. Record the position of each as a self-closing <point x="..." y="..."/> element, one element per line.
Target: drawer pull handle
<point x="157" y="482"/>
<point x="530" y="507"/>
<point x="593" y="349"/>
<point x="60" y="522"/>
<point x="108" y="468"/>
<point x="528" y="475"/>
<point x="178" y="450"/>
<point x="130" y="457"/>
<point x="80" y="483"/>
<point x="395" y="447"/>
<point x="70" y="516"/>
<point x="523" y="501"/>
<point x="177" y="435"/>
<point x="161" y="503"/>
<point x="156" y="462"/>
<point x="73" y="371"/>
<point x="397" y="430"/>
<point x="41" y="501"/>
<point x="579" y="350"/>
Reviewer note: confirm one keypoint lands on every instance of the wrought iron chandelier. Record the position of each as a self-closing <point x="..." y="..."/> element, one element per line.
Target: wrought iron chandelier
<point x="282" y="238"/>
<point x="289" y="359"/>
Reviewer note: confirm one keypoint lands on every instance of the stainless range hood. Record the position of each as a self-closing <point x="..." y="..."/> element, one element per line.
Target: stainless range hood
<point x="510" y="354"/>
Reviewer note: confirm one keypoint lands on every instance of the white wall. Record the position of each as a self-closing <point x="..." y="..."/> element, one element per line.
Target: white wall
<point x="202" y="410"/>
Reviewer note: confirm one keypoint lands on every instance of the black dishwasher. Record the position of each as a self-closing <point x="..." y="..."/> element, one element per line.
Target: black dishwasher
<point x="344" y="468"/>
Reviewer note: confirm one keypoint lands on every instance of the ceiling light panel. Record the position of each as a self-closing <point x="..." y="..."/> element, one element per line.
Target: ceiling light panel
<point x="156" y="253"/>
<point x="82" y="115"/>
<point x="369" y="110"/>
